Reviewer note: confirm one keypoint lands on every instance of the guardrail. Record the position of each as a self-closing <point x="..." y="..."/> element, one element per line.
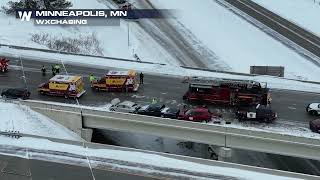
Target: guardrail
<point x="254" y="140"/>
<point x="93" y="146"/>
<point x="76" y="54"/>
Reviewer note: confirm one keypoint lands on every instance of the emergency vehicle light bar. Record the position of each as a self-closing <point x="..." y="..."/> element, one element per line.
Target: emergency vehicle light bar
<point x="219" y="81"/>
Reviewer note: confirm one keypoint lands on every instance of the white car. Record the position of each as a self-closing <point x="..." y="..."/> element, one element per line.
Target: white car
<point x="313" y="108"/>
<point x="125" y="106"/>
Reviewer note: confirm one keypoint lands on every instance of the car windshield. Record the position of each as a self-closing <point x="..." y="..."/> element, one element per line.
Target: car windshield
<point x="165" y="110"/>
<point x="189" y="112"/>
<point x="144" y="107"/>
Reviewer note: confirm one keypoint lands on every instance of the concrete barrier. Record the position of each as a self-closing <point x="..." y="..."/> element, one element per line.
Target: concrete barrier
<point x="68" y="116"/>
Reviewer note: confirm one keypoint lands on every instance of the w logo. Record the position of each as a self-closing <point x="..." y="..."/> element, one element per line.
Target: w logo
<point x="25" y="15"/>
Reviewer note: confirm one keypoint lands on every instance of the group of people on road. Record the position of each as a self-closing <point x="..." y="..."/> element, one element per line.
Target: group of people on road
<point x="55" y="70"/>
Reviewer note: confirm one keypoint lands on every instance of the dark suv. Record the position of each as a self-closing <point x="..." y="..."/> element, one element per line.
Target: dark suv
<point x="262" y="113"/>
<point x="15" y="93"/>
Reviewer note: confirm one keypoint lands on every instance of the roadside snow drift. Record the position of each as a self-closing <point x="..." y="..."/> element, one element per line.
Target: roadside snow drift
<point x="21" y="118"/>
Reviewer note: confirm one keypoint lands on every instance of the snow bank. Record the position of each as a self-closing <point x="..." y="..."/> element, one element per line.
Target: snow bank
<point x="21" y="118"/>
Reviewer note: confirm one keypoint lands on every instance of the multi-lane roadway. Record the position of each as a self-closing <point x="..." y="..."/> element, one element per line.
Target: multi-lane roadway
<point x="290" y="105"/>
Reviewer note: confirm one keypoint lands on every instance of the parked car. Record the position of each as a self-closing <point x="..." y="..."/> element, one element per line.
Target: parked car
<point x="169" y="112"/>
<point x="151" y="110"/>
<point x="262" y="113"/>
<point x="197" y="114"/>
<point x="15" y="93"/>
<point x="313" y="109"/>
<point x="315" y="125"/>
<point x="125" y="106"/>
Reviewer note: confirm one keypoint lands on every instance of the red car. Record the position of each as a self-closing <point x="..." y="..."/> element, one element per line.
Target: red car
<point x="197" y="115"/>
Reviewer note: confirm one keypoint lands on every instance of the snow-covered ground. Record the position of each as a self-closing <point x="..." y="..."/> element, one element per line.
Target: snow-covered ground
<point x="21" y="118"/>
<point x="305" y="13"/>
<point x="237" y="42"/>
<point x="233" y="40"/>
<point x="134" y="157"/>
<point x="114" y="39"/>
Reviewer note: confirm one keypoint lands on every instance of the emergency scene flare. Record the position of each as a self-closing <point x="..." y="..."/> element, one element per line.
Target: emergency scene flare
<point x="170" y="89"/>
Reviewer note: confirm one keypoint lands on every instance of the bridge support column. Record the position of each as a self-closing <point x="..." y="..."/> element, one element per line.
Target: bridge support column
<point x="70" y="120"/>
<point x="224" y="153"/>
<point x="86" y="134"/>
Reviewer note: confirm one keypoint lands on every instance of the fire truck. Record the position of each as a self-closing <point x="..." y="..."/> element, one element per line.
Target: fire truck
<point x="63" y="85"/>
<point x="4" y="63"/>
<point x="123" y="81"/>
<point x="228" y="91"/>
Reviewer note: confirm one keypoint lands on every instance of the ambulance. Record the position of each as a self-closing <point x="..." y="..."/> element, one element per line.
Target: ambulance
<point x="63" y="85"/>
<point x="123" y="81"/>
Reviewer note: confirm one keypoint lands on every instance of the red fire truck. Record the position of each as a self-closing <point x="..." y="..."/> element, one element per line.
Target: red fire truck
<point x="4" y="63"/>
<point x="227" y="91"/>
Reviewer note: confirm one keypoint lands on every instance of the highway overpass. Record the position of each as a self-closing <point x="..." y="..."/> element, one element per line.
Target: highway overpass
<point x="82" y="119"/>
<point x="76" y="162"/>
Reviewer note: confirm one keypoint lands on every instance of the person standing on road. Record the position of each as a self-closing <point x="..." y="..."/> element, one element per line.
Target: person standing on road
<point x="53" y="70"/>
<point x="57" y="68"/>
<point x="141" y="78"/>
<point x="91" y="78"/>
<point x="43" y="70"/>
<point x="154" y="101"/>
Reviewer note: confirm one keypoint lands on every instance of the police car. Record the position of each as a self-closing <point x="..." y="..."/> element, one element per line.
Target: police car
<point x="262" y="113"/>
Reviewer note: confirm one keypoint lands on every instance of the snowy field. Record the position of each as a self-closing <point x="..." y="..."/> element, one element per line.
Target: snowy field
<point x="137" y="158"/>
<point x="305" y="13"/>
<point x="21" y="118"/>
<point x="237" y="42"/>
<point x="113" y="39"/>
